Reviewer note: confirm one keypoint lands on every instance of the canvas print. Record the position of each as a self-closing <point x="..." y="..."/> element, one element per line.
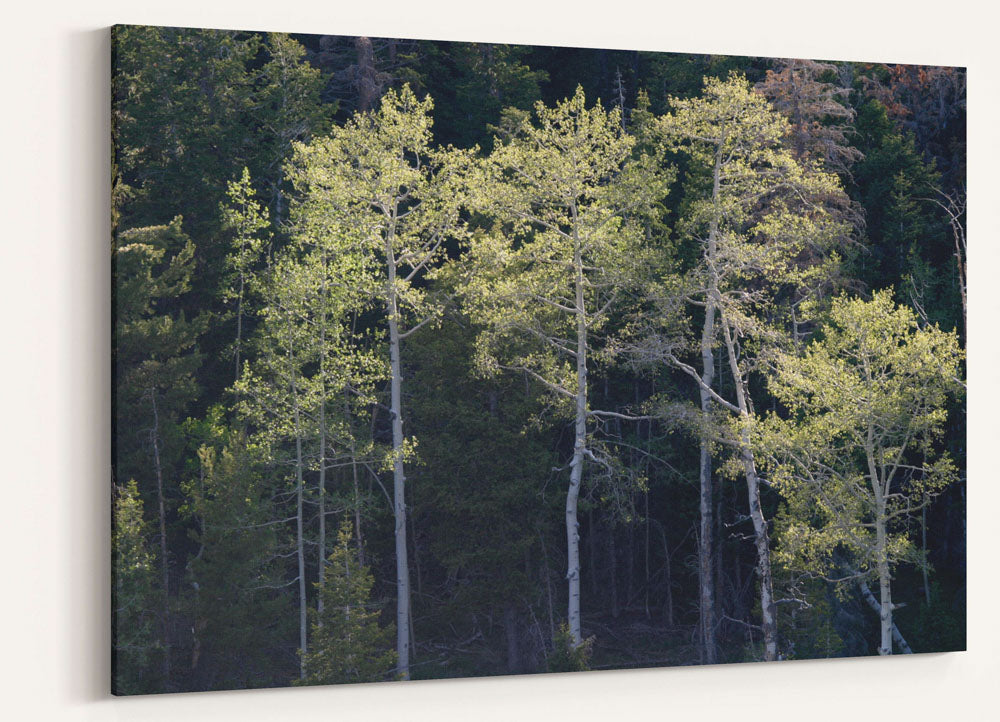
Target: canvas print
<point x="447" y="359"/>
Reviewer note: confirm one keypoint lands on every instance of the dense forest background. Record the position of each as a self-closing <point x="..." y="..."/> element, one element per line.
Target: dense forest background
<point x="261" y="362"/>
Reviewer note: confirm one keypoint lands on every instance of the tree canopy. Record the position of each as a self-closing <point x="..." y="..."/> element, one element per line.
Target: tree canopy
<point x="447" y="359"/>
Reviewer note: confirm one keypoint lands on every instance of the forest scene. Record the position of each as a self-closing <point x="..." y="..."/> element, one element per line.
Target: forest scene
<point x="447" y="359"/>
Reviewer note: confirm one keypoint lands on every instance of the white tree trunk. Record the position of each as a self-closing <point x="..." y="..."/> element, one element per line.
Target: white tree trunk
<point x="321" y="573"/>
<point x="399" y="482"/>
<point x="874" y="603"/>
<point x="885" y="592"/>
<point x="706" y="586"/>
<point x="879" y="492"/>
<point x="706" y="528"/>
<point x="576" y="465"/>
<point x="299" y="538"/>
<point x="769" y="617"/>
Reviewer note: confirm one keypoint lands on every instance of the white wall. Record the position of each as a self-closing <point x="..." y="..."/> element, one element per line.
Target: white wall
<point x="54" y="407"/>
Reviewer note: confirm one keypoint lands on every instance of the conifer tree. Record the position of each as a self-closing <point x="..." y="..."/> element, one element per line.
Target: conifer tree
<point x="818" y="111"/>
<point x="134" y="597"/>
<point x="156" y="357"/>
<point x="238" y="598"/>
<point x="348" y="645"/>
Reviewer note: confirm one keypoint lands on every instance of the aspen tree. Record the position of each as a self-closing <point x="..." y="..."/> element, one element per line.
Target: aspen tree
<point x="856" y="461"/>
<point x="377" y="183"/>
<point x="760" y="220"/>
<point x="569" y="197"/>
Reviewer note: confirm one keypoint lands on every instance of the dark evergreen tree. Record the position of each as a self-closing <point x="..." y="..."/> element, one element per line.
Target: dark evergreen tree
<point x="348" y="645"/>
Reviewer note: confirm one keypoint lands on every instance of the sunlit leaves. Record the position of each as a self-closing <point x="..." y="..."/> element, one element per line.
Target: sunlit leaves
<point x="866" y="401"/>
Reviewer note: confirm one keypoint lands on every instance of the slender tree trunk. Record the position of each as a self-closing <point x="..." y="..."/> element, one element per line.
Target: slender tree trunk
<point x="769" y="615"/>
<point x="645" y="496"/>
<point x="955" y="211"/>
<point x="164" y="563"/>
<point x="879" y="492"/>
<point x="613" y="567"/>
<point x="670" y="582"/>
<point x="866" y="593"/>
<point x="706" y="586"/>
<point x="630" y="565"/>
<point x="367" y="85"/>
<point x="548" y="584"/>
<point x="299" y="500"/>
<point x="592" y="555"/>
<point x="717" y="553"/>
<point x="706" y="527"/>
<point x="321" y="569"/>
<point x="399" y="477"/>
<point x="579" y="449"/>
<point x="885" y="593"/>
<point x="354" y="478"/>
<point x="416" y="554"/>
<point x="923" y="549"/>
<point x="239" y="320"/>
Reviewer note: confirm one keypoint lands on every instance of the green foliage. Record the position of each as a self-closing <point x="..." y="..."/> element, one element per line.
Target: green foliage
<point x="311" y="236"/>
<point x="760" y="240"/>
<point x="472" y="84"/>
<point x="479" y="495"/>
<point x="156" y="351"/>
<point x="134" y="645"/>
<point x="807" y="624"/>
<point x="938" y="626"/>
<point x="193" y="107"/>
<point x="566" y="656"/>
<point x="246" y="220"/>
<point x="391" y="199"/>
<point x="307" y="352"/>
<point x="177" y="97"/>
<point x="240" y="606"/>
<point x="286" y="107"/>
<point x="907" y="241"/>
<point x="867" y="402"/>
<point x="569" y="198"/>
<point x="682" y="75"/>
<point x="190" y="110"/>
<point x="347" y="643"/>
<point x="768" y="218"/>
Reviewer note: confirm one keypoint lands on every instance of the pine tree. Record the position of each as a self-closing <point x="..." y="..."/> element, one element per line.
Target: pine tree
<point x="134" y="641"/>
<point x="155" y="359"/>
<point x="238" y="599"/>
<point x="348" y="645"/>
<point x="818" y="111"/>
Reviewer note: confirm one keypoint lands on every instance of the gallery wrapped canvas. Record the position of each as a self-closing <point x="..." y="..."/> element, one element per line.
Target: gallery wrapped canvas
<point x="444" y="359"/>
